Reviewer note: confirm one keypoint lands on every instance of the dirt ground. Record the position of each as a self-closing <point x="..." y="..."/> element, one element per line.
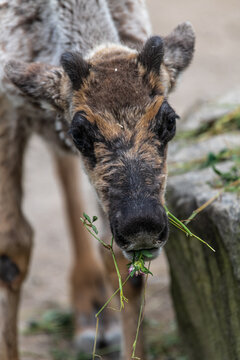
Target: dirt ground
<point x="214" y="71"/>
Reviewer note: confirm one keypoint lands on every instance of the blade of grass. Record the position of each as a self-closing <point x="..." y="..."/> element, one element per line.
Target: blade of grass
<point x="95" y="342"/>
<point x="210" y="201"/>
<point x="97" y="318"/>
<point x="108" y="301"/>
<point x="179" y="224"/>
<point x="204" y="242"/>
<point x="109" y="247"/>
<point x="122" y="297"/>
<point x="202" y="207"/>
<point x="140" y="317"/>
<point x="177" y="221"/>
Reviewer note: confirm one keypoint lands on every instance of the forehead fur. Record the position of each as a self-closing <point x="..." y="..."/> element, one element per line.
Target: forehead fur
<point x="117" y="84"/>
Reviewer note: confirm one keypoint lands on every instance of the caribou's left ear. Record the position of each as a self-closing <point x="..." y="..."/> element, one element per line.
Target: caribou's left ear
<point x="44" y="83"/>
<point x="179" y="49"/>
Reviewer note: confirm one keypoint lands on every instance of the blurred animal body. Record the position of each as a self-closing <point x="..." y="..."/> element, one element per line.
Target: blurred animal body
<point x="87" y="77"/>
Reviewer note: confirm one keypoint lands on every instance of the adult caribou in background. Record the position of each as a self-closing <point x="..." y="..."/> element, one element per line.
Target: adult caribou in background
<point x="90" y="78"/>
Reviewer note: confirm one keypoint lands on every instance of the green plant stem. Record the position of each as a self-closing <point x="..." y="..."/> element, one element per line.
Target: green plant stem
<point x="122" y="297"/>
<point x="97" y="318"/>
<point x="108" y="301"/>
<point x="140" y="317"/>
<point x="202" y="207"/>
<point x="177" y="225"/>
<point x="107" y="246"/>
<point x="204" y="242"/>
<point x="95" y="341"/>
<point x="137" y="332"/>
<point x="178" y="221"/>
<point x="184" y="228"/>
<point x="210" y="201"/>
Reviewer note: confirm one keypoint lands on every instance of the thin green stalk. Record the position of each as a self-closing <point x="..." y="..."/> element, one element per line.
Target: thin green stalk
<point x="107" y="246"/>
<point x="122" y="297"/>
<point x="178" y="226"/>
<point x="177" y="223"/>
<point x="137" y="332"/>
<point x="97" y="318"/>
<point x="204" y="242"/>
<point x="210" y="201"/>
<point x="95" y="341"/>
<point x="115" y="293"/>
<point x="140" y="317"/>
<point x="88" y="223"/>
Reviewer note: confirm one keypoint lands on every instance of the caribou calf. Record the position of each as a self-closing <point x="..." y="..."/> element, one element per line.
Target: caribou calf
<point x="87" y="77"/>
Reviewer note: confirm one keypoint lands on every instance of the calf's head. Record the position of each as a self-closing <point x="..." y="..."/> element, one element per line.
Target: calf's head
<point x="121" y="122"/>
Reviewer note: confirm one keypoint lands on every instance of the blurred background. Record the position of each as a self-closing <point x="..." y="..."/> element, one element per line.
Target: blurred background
<point x="215" y="67"/>
<point x="214" y="71"/>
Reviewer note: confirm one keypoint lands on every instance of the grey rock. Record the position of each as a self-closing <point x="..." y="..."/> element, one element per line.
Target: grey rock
<point x="206" y="285"/>
<point x="179" y="152"/>
<point x="206" y="112"/>
<point x="224" y="213"/>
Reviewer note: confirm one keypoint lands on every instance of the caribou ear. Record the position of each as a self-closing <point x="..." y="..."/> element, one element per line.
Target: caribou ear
<point x="151" y="55"/>
<point x="76" y="68"/>
<point x="42" y="82"/>
<point x="179" y="49"/>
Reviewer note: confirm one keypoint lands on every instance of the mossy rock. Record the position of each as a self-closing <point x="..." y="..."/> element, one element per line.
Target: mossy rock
<point x="206" y="285"/>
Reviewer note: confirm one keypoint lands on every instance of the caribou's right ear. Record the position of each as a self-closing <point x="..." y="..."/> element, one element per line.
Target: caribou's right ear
<point x="44" y="83"/>
<point x="76" y="68"/>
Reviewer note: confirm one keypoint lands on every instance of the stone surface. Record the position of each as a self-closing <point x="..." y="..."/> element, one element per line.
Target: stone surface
<point x="208" y="111"/>
<point x="179" y="152"/>
<point x="205" y="285"/>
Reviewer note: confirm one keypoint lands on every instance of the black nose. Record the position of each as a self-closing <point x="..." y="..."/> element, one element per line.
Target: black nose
<point x="140" y="225"/>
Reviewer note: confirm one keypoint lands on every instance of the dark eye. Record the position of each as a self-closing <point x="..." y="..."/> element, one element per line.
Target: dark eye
<point x="80" y="131"/>
<point x="171" y="121"/>
<point x="83" y="134"/>
<point x="166" y="122"/>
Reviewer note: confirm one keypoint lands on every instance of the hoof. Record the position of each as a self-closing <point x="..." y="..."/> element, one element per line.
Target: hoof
<point x="108" y="342"/>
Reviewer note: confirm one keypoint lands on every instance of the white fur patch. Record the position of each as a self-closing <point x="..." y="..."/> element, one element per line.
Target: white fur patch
<point x="108" y="48"/>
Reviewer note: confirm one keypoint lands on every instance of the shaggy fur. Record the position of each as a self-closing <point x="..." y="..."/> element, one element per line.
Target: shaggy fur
<point x="107" y="99"/>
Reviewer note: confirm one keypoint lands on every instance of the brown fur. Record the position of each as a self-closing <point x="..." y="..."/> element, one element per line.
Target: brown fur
<point x="103" y="99"/>
<point x="120" y="99"/>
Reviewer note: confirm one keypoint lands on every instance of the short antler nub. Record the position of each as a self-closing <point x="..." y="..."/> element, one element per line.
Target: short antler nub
<point x="152" y="53"/>
<point x="76" y="68"/>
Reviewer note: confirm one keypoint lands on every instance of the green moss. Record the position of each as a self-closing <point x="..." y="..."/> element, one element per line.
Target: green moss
<point x="206" y="294"/>
<point x="224" y="179"/>
<point x="227" y="123"/>
<point x="207" y="161"/>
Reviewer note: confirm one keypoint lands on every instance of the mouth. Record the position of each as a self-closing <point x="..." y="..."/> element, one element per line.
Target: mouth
<point x="148" y="254"/>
